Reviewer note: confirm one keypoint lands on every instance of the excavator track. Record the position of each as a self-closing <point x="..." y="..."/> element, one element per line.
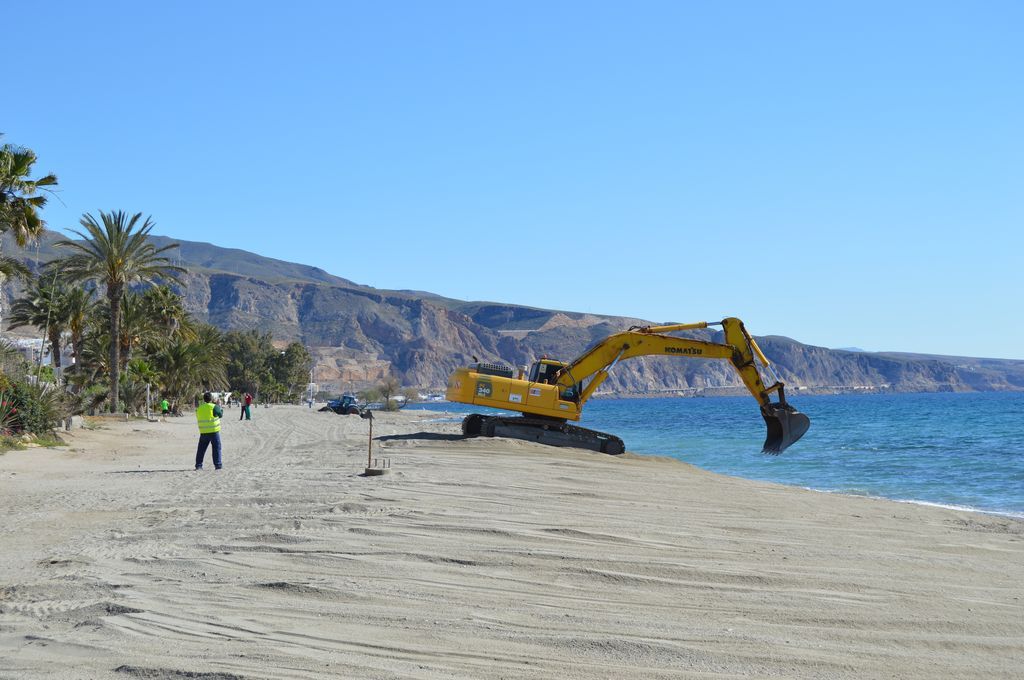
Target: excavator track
<point x="543" y="430"/>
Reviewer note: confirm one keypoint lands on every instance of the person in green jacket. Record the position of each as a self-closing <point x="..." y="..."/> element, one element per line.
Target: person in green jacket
<point x="165" y="408"/>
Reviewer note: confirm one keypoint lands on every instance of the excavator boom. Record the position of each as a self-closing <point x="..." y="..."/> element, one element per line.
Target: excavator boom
<point x="556" y="392"/>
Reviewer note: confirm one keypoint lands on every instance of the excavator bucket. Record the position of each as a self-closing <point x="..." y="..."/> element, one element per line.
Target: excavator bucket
<point x="785" y="426"/>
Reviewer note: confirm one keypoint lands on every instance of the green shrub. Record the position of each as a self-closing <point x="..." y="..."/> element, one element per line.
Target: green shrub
<point x="39" y="409"/>
<point x="132" y="396"/>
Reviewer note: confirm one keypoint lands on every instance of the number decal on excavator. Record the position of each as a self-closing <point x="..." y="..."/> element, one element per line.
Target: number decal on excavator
<point x="483" y="388"/>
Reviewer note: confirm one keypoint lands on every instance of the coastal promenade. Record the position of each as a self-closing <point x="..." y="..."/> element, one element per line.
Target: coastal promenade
<point x="475" y="559"/>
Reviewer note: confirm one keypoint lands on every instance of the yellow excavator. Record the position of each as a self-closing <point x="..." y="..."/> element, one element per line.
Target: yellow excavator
<point x="555" y="391"/>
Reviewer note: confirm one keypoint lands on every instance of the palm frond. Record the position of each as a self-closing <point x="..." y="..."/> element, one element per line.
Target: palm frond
<point x="12" y="268"/>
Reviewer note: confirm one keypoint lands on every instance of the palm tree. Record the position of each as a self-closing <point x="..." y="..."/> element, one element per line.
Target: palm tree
<point x="177" y="363"/>
<point x="91" y="365"/>
<point x="10" y="267"/>
<point x="11" y="360"/>
<point x="212" y="368"/>
<point x="143" y="371"/>
<point x="189" y="366"/>
<point x="116" y="252"/>
<point x="137" y="326"/>
<point x="20" y="202"/>
<point x="44" y="306"/>
<point x="19" y="198"/>
<point x="164" y="307"/>
<point x="139" y="374"/>
<point x="79" y="308"/>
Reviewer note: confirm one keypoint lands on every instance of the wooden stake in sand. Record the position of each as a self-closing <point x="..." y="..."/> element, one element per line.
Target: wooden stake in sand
<point x="369" y="447"/>
<point x="371" y="467"/>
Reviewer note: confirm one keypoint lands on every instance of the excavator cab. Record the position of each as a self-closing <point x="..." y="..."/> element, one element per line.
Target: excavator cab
<point x="546" y="371"/>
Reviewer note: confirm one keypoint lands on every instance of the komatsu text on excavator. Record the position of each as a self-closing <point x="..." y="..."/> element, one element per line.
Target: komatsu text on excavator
<point x="555" y="391"/>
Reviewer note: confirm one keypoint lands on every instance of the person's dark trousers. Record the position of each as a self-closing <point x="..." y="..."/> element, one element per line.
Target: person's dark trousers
<point x="205" y="439"/>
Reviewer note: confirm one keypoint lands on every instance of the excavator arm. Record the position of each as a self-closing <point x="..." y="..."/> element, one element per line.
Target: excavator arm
<point x="785" y="424"/>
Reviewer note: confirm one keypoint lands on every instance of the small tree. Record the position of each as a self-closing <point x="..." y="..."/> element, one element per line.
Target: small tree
<point x="388" y="390"/>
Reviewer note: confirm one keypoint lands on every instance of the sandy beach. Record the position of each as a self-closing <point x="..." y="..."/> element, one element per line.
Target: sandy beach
<point x="475" y="559"/>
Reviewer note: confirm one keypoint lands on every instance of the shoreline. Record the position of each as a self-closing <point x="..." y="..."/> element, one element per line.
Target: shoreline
<point x="456" y="416"/>
<point x="928" y="504"/>
<point x="798" y="392"/>
<point x="475" y="559"/>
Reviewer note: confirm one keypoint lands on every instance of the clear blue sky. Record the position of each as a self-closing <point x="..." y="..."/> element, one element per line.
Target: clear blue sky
<point x="843" y="173"/>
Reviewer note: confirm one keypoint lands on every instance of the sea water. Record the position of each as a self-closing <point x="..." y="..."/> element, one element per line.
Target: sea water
<point x="957" y="450"/>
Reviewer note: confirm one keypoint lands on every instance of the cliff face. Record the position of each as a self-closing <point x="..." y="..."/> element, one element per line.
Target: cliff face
<point x="360" y="335"/>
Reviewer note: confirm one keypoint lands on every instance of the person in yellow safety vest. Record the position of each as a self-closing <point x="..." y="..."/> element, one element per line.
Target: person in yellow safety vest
<point x="208" y="415"/>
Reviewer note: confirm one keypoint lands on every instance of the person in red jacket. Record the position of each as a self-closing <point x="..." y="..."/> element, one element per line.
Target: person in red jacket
<point x="246" y="403"/>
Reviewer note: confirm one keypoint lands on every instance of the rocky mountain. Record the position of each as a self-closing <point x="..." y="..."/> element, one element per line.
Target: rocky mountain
<point x="360" y="334"/>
